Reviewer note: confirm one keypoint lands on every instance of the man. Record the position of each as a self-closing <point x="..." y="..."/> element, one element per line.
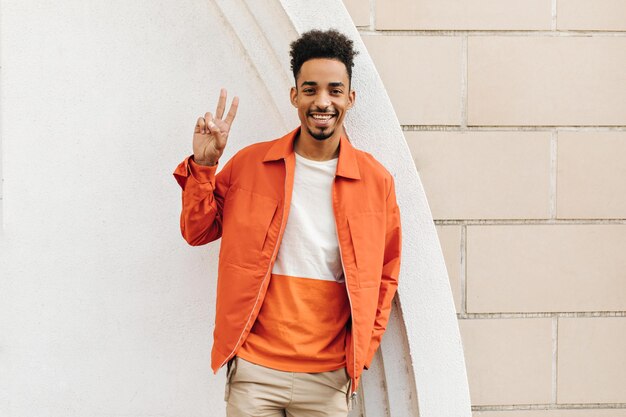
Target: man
<point x="310" y="250"/>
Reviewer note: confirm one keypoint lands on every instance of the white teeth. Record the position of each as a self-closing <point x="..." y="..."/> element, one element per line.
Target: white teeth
<point x="322" y="117"/>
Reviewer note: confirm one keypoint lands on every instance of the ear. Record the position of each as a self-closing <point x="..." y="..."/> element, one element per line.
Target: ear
<point x="293" y="95"/>
<point x="351" y="99"/>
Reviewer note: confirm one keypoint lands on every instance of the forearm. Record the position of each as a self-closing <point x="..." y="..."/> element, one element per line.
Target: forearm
<point x="200" y="220"/>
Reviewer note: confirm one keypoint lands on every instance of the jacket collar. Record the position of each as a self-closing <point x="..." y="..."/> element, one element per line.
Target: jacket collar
<point x="347" y="165"/>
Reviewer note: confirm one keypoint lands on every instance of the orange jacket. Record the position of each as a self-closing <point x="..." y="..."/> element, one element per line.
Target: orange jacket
<point x="247" y="205"/>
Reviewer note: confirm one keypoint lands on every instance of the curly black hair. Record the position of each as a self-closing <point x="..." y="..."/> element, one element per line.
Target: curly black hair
<point x="316" y="43"/>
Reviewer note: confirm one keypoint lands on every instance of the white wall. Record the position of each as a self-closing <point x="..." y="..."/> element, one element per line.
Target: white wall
<point x="104" y="308"/>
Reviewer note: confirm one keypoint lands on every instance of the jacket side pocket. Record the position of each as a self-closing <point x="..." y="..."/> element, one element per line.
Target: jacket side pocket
<point x="367" y="231"/>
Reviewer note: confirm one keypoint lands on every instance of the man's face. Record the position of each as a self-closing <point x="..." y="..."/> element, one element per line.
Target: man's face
<point x="322" y="97"/>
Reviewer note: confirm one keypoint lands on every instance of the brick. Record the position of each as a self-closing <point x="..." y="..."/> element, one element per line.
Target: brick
<point x="546" y="268"/>
<point x="463" y="15"/>
<point x="508" y="360"/>
<point x="484" y="175"/>
<point x="359" y="11"/>
<point x="591" y="15"/>
<point x="591" y="178"/>
<point x="592" y="360"/>
<point x="542" y="80"/>
<point x="422" y="76"/>
<point x="554" y="413"/>
<point x="450" y="240"/>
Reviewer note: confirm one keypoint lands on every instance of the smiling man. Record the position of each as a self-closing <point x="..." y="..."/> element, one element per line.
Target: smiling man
<point x="310" y="250"/>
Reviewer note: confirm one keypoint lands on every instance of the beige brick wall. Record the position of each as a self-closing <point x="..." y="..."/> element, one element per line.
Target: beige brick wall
<point x="546" y="80"/>
<point x="463" y="14"/>
<point x="609" y="15"/>
<point x="508" y="360"/>
<point x="433" y="58"/>
<point x="484" y="175"/>
<point x="591" y="176"/>
<point x="515" y="115"/>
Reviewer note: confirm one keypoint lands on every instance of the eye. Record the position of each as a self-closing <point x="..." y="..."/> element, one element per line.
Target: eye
<point x="307" y="90"/>
<point x="336" y="91"/>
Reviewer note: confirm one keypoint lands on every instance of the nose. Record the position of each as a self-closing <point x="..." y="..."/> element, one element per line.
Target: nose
<point x="322" y="100"/>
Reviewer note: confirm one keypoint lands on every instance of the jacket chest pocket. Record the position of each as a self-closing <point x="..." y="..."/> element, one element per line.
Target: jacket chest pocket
<point x="247" y="220"/>
<point x="367" y="231"/>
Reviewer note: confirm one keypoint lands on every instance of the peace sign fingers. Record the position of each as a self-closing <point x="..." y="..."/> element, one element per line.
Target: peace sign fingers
<point x="232" y="112"/>
<point x="221" y="106"/>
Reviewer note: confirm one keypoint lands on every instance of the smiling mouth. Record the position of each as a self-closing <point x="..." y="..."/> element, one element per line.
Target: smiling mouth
<point x="322" y="116"/>
<point x="322" y="119"/>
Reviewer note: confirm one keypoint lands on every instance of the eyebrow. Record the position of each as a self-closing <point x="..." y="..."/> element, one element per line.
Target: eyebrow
<point x="314" y="84"/>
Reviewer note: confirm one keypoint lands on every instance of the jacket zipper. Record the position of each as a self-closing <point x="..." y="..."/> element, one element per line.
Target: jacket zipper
<point x="269" y="269"/>
<point x="345" y="277"/>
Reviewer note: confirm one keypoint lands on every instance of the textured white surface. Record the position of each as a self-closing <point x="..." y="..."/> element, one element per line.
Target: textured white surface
<point x="104" y="310"/>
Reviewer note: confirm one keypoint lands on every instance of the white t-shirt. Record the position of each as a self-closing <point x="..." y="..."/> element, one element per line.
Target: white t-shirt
<point x="309" y="248"/>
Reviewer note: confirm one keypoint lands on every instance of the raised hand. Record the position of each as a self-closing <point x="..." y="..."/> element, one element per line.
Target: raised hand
<point x="211" y="133"/>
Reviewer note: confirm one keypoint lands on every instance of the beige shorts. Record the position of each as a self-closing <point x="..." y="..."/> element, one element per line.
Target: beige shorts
<point x="255" y="390"/>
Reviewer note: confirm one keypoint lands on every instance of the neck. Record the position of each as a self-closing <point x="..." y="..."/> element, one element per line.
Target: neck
<point x="318" y="150"/>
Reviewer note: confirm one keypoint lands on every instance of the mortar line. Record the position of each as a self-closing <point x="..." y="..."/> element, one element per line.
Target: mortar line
<point x="463" y="269"/>
<point x="513" y="128"/>
<point x="372" y="26"/>
<point x="572" y="406"/>
<point x="499" y="33"/>
<point x="552" y="201"/>
<point x="464" y="82"/>
<point x="540" y="315"/>
<point x="555" y="354"/>
<point x="553" y="17"/>
<point x="509" y="222"/>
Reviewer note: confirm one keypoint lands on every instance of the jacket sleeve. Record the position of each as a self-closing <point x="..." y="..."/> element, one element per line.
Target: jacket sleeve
<point x="203" y="195"/>
<point x="391" y="270"/>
